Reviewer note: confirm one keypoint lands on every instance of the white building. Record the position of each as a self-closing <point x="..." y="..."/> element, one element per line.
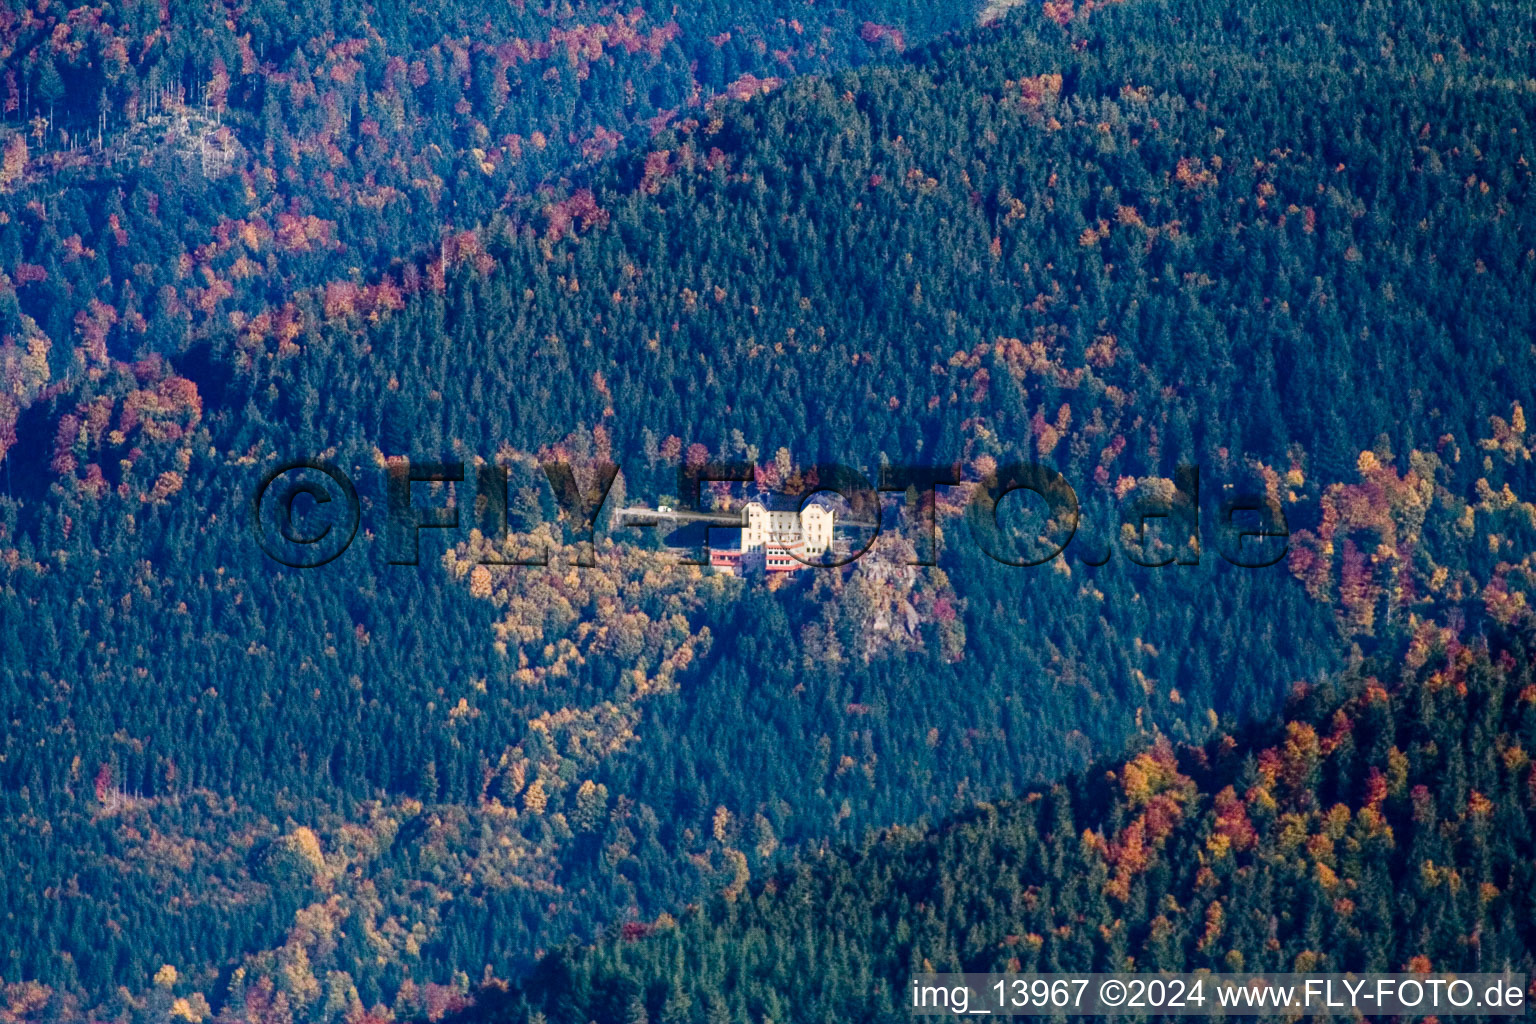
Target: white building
<point x="809" y="530"/>
<point x="785" y="541"/>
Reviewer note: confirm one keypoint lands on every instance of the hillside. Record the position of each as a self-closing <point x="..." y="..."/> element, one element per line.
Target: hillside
<point x="1385" y="823"/>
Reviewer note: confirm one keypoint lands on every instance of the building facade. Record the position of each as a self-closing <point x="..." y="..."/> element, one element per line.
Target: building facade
<point x="777" y="541"/>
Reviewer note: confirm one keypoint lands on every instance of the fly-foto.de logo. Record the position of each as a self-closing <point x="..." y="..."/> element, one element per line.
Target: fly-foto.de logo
<point x="306" y="512"/>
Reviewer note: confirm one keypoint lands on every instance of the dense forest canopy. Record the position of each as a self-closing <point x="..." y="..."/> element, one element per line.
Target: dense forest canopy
<point x="1383" y="824"/>
<point x="1291" y="245"/>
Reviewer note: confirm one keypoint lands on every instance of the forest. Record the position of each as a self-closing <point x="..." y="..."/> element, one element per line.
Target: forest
<point x="1290" y="244"/>
<point x="1382" y="823"/>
